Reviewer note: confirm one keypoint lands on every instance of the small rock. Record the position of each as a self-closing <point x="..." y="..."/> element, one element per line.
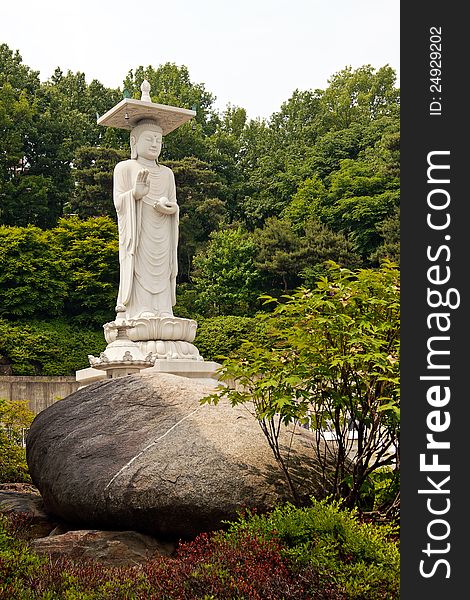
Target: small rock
<point x="24" y="488"/>
<point x="30" y="506"/>
<point x="111" y="548"/>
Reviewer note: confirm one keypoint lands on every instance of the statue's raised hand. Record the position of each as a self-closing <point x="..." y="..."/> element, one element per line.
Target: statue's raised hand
<point x="142" y="184"/>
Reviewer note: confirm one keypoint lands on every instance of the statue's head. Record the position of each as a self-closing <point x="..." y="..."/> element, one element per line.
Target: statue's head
<point x="146" y="140"/>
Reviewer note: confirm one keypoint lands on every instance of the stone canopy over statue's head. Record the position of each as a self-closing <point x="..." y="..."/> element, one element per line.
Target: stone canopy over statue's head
<point x="129" y="113"/>
<point x="143" y="115"/>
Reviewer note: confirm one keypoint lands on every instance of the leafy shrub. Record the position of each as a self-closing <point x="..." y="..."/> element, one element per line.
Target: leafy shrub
<point x="321" y="552"/>
<point x="362" y="558"/>
<point x="47" y="347"/>
<point x="244" y="567"/>
<point x="70" y="270"/>
<point x="330" y="361"/>
<point x="89" y="250"/>
<point x="32" y="277"/>
<point x="186" y="302"/>
<point x="386" y="486"/>
<point x="225" y="276"/>
<point x="17" y="564"/>
<point x="217" y="337"/>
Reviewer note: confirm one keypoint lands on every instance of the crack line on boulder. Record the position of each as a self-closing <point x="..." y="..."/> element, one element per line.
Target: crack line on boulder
<point x="128" y="464"/>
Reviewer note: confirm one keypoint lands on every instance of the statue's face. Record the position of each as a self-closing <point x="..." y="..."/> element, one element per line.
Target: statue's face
<point x="149" y="144"/>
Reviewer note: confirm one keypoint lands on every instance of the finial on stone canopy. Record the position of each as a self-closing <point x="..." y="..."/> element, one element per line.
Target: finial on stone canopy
<point x="145" y="89"/>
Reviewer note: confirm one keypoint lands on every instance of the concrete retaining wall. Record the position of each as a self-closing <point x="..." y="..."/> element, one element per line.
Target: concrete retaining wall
<point x="40" y="392"/>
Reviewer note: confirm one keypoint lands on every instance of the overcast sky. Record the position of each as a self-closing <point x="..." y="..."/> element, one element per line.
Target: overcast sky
<point x="249" y="53"/>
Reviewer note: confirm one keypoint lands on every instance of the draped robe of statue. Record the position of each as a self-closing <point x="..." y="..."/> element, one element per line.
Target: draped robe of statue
<point x="148" y="242"/>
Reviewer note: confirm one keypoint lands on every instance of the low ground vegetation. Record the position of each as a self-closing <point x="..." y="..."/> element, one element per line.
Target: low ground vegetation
<point x="319" y="552"/>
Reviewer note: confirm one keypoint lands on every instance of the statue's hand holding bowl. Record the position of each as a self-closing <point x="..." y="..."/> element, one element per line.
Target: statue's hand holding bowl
<point x="165" y="206"/>
<point x="142" y="184"/>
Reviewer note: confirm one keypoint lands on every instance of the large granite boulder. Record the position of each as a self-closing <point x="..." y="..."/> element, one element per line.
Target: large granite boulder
<point x="140" y="452"/>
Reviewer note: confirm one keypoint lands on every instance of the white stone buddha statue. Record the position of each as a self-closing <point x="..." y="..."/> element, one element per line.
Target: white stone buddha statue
<point x="148" y="215"/>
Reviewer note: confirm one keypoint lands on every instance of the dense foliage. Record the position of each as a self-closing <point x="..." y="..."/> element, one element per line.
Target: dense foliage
<point x="217" y="337"/>
<point x="320" y="552"/>
<point x="52" y="347"/>
<point x="331" y="154"/>
<point x="360" y="557"/>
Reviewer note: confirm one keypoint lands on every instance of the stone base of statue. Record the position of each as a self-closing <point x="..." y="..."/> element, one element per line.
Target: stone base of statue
<point x="170" y="349"/>
<point x="147" y="328"/>
<point x="122" y="355"/>
<point x="162" y="343"/>
<point x="163" y="337"/>
<point x="202" y="371"/>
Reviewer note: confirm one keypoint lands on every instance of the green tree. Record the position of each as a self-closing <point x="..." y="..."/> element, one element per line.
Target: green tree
<point x="306" y="202"/>
<point x="325" y="157"/>
<point x="14" y="72"/>
<point x="359" y="198"/>
<point x="320" y="245"/>
<point x="78" y="104"/>
<point x="389" y="230"/>
<point x="89" y="251"/>
<point x="32" y="276"/>
<point x="273" y="154"/>
<point x="333" y="365"/>
<point x="290" y="253"/>
<point x="16" y="113"/>
<point x="217" y="337"/>
<point x="48" y="347"/>
<point x="57" y="130"/>
<point x="18" y="86"/>
<point x="225" y="147"/>
<point x="225" y="276"/>
<point x="41" y="127"/>
<point x="310" y="136"/>
<point x="298" y="118"/>
<point x="279" y="254"/>
<point x="15" y="417"/>
<point x="359" y="96"/>
<point x="26" y="201"/>
<point x="93" y="169"/>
